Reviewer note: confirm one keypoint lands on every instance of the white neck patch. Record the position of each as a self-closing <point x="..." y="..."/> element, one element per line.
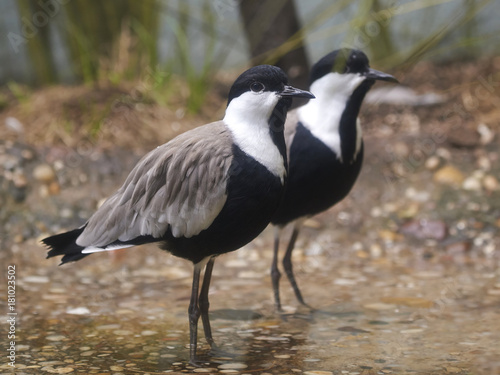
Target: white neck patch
<point x="322" y="115"/>
<point x="247" y="118"/>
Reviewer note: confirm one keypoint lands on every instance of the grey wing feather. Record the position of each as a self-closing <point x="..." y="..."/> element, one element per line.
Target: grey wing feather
<point x="181" y="185"/>
<point x="292" y="120"/>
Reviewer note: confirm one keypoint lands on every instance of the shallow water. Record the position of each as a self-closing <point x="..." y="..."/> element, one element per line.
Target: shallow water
<point x="106" y="315"/>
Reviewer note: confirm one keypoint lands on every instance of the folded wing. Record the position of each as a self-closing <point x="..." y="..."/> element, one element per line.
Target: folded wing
<point x="180" y="186"/>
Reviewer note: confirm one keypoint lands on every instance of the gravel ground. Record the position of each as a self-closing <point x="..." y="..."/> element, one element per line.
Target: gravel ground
<point x="404" y="273"/>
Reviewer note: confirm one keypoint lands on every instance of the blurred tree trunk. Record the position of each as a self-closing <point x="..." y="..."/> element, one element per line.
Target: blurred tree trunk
<point x="274" y="34"/>
<point x="38" y="45"/>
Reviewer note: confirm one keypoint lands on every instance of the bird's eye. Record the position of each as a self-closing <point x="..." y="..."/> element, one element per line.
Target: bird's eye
<point x="257" y="87"/>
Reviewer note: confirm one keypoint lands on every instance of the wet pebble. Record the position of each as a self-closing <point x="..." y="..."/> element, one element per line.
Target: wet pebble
<point x="412" y="330"/>
<point x="233" y="366"/>
<point x="458" y="247"/>
<point x="432" y="163"/>
<point x="425" y="229"/>
<point x="472" y="183"/>
<point x="58" y="370"/>
<point x="409" y="301"/>
<point x="78" y="311"/>
<point x="490" y="183"/>
<point x="465" y="138"/>
<point x="36" y="279"/>
<point x="318" y="373"/>
<point x="380" y="306"/>
<point x="486" y="135"/>
<point x="204" y="369"/>
<point x="14" y="124"/>
<point x="312" y="223"/>
<point x="44" y="173"/>
<point x="449" y="175"/>
<point x="453" y="370"/>
<point x="56" y="338"/>
<point x="148" y="333"/>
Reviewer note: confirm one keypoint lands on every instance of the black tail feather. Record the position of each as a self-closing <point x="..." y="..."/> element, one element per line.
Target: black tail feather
<point x="65" y="244"/>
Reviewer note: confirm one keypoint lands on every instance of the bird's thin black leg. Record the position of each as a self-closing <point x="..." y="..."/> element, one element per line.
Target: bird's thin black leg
<point x="194" y="315"/>
<point x="287" y="265"/>
<point x="275" y="273"/>
<point x="205" y="304"/>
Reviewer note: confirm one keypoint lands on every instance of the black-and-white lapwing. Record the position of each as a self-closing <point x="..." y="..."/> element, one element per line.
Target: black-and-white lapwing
<point x="207" y="192"/>
<point x="324" y="147"/>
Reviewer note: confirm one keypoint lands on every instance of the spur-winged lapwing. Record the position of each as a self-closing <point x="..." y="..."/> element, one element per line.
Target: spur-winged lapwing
<point x="208" y="191"/>
<point x="324" y="147"/>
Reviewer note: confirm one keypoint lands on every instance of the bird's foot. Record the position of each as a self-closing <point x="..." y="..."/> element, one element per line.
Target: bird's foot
<point x="197" y="362"/>
<point x="217" y="352"/>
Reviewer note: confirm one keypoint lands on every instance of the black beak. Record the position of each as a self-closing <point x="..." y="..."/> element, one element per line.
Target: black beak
<point x="380" y="76"/>
<point x="292" y="91"/>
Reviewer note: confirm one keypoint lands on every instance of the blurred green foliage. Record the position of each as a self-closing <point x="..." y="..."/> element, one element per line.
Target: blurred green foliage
<point x="117" y="40"/>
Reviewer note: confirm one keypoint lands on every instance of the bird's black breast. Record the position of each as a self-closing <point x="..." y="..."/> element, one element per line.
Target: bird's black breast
<point x="253" y="195"/>
<point x="317" y="178"/>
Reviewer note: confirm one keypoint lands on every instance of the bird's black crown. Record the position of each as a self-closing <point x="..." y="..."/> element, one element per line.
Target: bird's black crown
<point x="340" y="61"/>
<point x="270" y="77"/>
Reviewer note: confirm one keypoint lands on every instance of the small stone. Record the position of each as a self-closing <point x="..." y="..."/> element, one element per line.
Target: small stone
<point x="425" y="229"/>
<point x="314" y="224"/>
<point x="459" y="247"/>
<point x="352" y="329"/>
<point x="44" y="173"/>
<point x="375" y="250"/>
<point x="204" y="369"/>
<point x="409" y="211"/>
<point x="409" y="301"/>
<point x="432" y="163"/>
<point x="379" y="306"/>
<point x="412" y="330"/>
<point x="232" y="366"/>
<point x="122" y="332"/>
<point x="388" y="235"/>
<point x="465" y="138"/>
<point x="56" y="338"/>
<point x="486" y="135"/>
<point x="449" y="175"/>
<point x="27" y="154"/>
<point x="36" y="280"/>
<point x="148" y="333"/>
<point x="471" y="184"/>
<point x="490" y="183"/>
<point x="54" y="188"/>
<point x="58" y="370"/>
<point x="116" y="368"/>
<point x="14" y="124"/>
<point x="19" y="179"/>
<point x="78" y="311"/>
<point x="484" y="163"/>
<point x="318" y="373"/>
